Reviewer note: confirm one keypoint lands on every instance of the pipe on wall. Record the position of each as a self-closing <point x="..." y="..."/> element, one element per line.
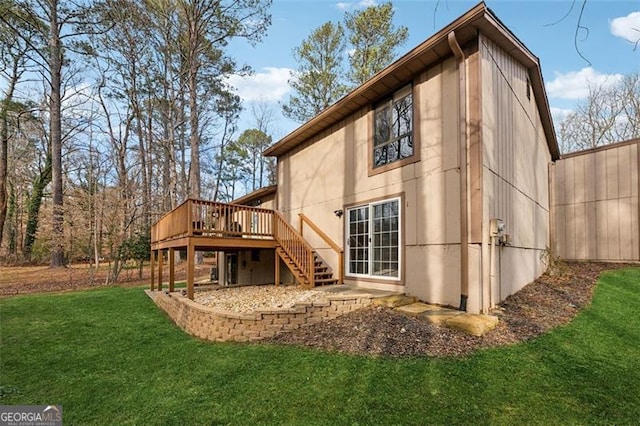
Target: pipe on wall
<point x="462" y="137"/>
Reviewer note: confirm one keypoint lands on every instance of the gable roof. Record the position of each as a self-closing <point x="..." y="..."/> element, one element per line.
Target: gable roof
<point x="256" y="195"/>
<point x="434" y="49"/>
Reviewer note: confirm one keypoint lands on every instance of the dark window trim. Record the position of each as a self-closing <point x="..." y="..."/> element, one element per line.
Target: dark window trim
<point x="400" y="280"/>
<point x="415" y="123"/>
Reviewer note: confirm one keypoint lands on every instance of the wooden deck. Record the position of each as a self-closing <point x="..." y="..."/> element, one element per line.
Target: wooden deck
<point x="211" y="225"/>
<point x="199" y="225"/>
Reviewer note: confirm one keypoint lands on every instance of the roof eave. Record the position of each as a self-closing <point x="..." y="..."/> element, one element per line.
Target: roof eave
<point x="432" y="50"/>
<point x="358" y="98"/>
<point x="256" y="195"/>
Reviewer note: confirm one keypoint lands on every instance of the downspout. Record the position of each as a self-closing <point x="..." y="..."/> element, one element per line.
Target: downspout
<point x="492" y="269"/>
<point x="463" y="136"/>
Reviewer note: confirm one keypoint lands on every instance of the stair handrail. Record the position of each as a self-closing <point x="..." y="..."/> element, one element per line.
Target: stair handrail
<point x="300" y="252"/>
<point x="339" y="251"/>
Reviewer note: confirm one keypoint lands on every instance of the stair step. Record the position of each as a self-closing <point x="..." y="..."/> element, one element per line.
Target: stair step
<point x="324" y="281"/>
<point x="323" y="275"/>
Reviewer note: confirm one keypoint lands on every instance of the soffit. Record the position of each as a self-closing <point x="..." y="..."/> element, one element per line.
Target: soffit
<point x="431" y="51"/>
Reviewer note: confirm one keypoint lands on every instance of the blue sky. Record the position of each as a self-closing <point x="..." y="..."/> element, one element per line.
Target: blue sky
<point x="613" y="26"/>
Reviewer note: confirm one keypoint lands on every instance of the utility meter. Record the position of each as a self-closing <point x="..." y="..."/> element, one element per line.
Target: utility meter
<point x="496" y="227"/>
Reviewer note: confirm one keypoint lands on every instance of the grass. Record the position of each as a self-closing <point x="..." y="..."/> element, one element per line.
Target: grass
<point x="109" y="356"/>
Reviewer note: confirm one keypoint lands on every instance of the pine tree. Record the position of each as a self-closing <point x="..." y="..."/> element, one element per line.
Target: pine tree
<point x="317" y="82"/>
<point x="374" y="40"/>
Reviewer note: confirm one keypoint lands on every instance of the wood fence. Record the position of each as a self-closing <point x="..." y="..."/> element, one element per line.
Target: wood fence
<point x="594" y="204"/>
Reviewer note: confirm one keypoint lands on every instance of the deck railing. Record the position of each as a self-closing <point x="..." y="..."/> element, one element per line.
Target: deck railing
<point x="212" y="219"/>
<point x="200" y="218"/>
<point x="296" y="247"/>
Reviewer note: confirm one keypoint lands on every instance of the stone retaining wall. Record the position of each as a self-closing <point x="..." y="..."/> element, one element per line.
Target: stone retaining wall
<point x="212" y="324"/>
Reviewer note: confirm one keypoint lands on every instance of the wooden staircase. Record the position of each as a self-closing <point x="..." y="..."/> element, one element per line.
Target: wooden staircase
<point x="307" y="267"/>
<point x="323" y="275"/>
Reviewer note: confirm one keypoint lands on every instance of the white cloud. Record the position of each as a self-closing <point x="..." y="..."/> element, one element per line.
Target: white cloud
<point x="271" y="85"/>
<point x="627" y="27"/>
<point x="75" y="99"/>
<point x="559" y="114"/>
<point x="575" y="84"/>
<point x="362" y="4"/>
<point x="367" y="3"/>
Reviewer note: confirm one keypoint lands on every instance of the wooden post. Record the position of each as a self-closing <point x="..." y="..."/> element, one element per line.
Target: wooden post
<point x="191" y="260"/>
<point x="152" y="266"/>
<point x="300" y="224"/>
<point x="312" y="270"/>
<point x="274" y="226"/>
<point x="277" y="270"/>
<point x="172" y="272"/>
<point x="160" y="266"/>
<point x="341" y="267"/>
<point x="189" y="218"/>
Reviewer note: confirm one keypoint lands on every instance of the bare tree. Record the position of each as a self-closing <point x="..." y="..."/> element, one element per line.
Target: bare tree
<point x="13" y="57"/>
<point x="54" y="21"/>
<point x="610" y="113"/>
<point x="263" y="115"/>
<point x="208" y="27"/>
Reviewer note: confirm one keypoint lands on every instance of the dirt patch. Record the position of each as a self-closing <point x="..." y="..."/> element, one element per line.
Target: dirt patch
<point x="41" y="279"/>
<point x="546" y="303"/>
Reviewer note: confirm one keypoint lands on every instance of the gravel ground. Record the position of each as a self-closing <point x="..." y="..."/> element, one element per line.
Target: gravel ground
<point x="550" y="301"/>
<point x="257" y="298"/>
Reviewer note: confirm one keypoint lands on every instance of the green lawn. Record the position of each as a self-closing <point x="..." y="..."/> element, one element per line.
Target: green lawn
<point x="109" y="356"/>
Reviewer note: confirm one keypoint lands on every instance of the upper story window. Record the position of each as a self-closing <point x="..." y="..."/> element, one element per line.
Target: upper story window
<point x="393" y="129"/>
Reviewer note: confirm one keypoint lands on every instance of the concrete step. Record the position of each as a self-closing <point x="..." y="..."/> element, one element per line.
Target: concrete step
<point x="394" y="300"/>
<point x="438" y="315"/>
<point x="476" y="325"/>
<point x="414" y="309"/>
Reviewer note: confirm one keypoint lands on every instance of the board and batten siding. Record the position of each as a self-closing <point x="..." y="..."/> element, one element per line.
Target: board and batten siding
<point x="515" y="168"/>
<point x="595" y="204"/>
<point x="330" y="172"/>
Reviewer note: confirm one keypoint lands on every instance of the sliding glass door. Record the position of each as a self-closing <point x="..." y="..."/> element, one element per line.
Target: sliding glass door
<point x="373" y="239"/>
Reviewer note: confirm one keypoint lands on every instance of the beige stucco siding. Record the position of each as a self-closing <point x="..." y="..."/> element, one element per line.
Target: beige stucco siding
<point x="331" y="172"/>
<point x="268" y="202"/>
<point x="252" y="270"/>
<point x="595" y="204"/>
<point x="515" y="174"/>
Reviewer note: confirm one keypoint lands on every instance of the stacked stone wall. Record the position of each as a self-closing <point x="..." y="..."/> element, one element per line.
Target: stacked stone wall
<point x="216" y="325"/>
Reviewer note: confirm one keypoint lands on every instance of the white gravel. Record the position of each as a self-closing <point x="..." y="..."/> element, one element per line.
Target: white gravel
<point x="249" y="299"/>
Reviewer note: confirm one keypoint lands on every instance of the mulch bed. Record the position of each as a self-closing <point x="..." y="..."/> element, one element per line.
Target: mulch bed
<point x="550" y="301"/>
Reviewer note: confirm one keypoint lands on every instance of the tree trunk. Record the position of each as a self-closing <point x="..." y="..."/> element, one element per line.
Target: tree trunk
<point x="4" y="148"/>
<point x="194" y="138"/>
<point x="4" y="144"/>
<point x="140" y="131"/>
<point x="33" y="209"/>
<point x="55" y="70"/>
<point x="11" y="217"/>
